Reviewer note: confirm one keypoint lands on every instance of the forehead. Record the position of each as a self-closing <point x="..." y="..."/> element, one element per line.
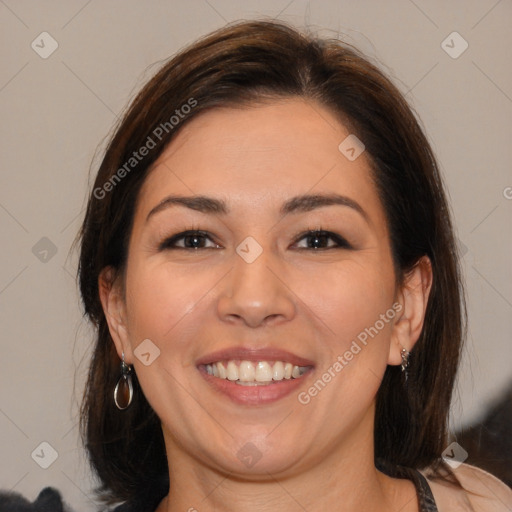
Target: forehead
<point x="266" y="151"/>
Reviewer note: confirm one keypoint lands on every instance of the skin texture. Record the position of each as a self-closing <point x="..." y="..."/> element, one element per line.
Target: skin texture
<point x="310" y="302"/>
<point x="482" y="492"/>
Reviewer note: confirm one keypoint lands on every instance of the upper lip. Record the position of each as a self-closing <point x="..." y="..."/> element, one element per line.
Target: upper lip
<point x="254" y="354"/>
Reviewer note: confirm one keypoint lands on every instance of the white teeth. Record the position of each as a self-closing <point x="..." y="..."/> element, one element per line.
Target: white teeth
<point x="263" y="372"/>
<point x="221" y="370"/>
<point x="231" y="371"/>
<point x="246" y="371"/>
<point x="278" y="371"/>
<point x="252" y="374"/>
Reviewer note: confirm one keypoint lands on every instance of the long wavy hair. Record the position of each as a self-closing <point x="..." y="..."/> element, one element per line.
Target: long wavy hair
<point x="239" y="65"/>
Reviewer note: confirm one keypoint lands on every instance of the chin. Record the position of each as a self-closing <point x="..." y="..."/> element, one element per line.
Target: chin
<point x="254" y="456"/>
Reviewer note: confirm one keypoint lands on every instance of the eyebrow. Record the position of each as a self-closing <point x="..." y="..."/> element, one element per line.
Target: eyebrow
<point x="297" y="204"/>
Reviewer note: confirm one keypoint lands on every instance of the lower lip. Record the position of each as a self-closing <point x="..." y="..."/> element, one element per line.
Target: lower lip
<point x="254" y="395"/>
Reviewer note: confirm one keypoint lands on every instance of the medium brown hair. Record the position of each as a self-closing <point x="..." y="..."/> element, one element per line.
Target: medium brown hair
<point x="239" y="65"/>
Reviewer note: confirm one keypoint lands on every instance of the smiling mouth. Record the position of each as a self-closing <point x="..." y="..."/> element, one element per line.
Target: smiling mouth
<point x="254" y="373"/>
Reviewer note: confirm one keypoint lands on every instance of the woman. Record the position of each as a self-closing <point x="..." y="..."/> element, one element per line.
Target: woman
<point x="268" y="258"/>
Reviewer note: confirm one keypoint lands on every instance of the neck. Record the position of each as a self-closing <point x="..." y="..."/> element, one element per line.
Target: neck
<point x="345" y="479"/>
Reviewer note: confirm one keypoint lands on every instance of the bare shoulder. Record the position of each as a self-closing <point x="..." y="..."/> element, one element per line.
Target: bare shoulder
<point x="482" y="492"/>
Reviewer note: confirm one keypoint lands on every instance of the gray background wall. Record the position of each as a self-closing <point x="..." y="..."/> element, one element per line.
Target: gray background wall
<point x="55" y="111"/>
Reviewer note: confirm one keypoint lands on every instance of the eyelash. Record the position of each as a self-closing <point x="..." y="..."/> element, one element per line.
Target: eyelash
<point x="341" y="243"/>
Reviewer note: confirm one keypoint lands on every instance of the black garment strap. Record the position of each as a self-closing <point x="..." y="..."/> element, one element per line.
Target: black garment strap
<point x="426" y="499"/>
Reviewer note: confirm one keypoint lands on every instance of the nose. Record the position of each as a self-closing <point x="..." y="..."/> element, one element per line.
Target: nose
<point x="256" y="293"/>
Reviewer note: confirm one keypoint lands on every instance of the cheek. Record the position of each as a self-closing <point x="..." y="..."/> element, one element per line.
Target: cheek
<point x="160" y="299"/>
<point x="349" y="299"/>
<point x="163" y="306"/>
<point x="356" y="309"/>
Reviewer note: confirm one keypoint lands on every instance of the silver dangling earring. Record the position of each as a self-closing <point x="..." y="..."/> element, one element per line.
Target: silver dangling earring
<point x="123" y="392"/>
<point x="405" y="361"/>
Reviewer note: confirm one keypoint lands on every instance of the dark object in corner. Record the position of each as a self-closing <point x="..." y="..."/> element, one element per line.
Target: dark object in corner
<point x="49" y="500"/>
<point x="489" y="442"/>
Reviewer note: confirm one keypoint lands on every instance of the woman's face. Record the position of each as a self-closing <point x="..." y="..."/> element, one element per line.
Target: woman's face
<point x="257" y="290"/>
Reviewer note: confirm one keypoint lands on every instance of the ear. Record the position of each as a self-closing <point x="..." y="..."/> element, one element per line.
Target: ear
<point x="114" y="308"/>
<point x="412" y="297"/>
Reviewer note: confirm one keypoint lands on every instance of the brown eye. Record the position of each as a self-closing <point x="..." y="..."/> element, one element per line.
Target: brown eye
<point x="189" y="240"/>
<point x="321" y="240"/>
